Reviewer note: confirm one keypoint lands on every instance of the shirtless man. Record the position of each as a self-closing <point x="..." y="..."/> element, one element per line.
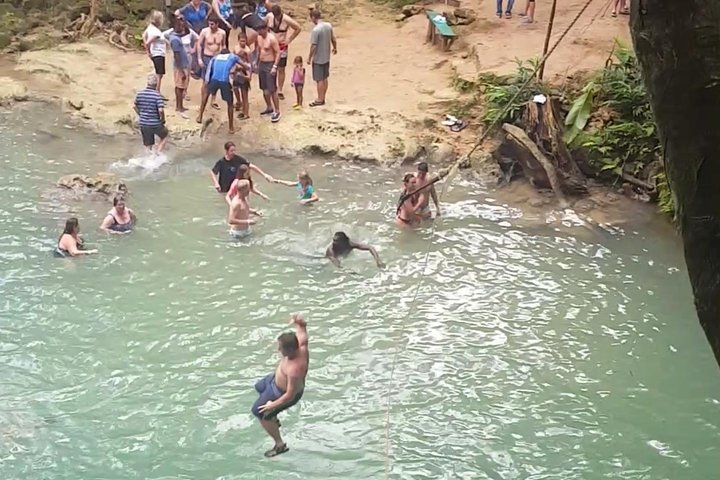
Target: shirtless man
<point x="210" y="43"/>
<point x="342" y="246"/>
<point x="284" y="388"/>
<point x="422" y="180"/>
<point x="279" y="24"/>
<point x="268" y="60"/>
<point x="239" y="212"/>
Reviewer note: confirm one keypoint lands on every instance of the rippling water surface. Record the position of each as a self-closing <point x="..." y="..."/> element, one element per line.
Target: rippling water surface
<point x="531" y="352"/>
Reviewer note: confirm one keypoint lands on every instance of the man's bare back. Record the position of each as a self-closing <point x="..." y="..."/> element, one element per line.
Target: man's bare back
<point x="269" y="47"/>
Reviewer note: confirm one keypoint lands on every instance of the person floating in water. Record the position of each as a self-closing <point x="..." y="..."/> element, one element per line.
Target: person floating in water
<point x="407" y="210"/>
<point x="429" y="192"/>
<point x="284" y="388"/>
<point x="304" y="186"/>
<point x="239" y="212"/>
<point x="119" y="219"/>
<point x="342" y="246"/>
<point x="70" y="244"/>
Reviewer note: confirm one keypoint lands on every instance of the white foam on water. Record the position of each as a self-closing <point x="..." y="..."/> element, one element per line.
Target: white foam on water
<point x="149" y="163"/>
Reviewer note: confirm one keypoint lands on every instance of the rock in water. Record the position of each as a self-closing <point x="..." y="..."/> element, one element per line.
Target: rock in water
<point x="107" y="184"/>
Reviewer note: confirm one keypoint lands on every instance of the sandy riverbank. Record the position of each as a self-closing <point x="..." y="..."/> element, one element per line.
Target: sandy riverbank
<point x="388" y="91"/>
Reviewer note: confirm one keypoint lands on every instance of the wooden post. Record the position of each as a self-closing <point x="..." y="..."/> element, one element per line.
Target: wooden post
<point x="547" y="39"/>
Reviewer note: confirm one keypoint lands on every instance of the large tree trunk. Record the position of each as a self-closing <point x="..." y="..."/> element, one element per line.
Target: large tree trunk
<point x="677" y="43"/>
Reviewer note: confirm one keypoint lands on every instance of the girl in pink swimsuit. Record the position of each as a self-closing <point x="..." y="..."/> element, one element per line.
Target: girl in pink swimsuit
<point x="298" y="81"/>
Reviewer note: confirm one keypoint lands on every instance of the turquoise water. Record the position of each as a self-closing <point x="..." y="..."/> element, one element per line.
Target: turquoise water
<point x="531" y="352"/>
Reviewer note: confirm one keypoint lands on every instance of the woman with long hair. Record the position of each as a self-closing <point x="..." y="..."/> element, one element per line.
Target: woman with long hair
<point x="408" y="205"/>
<point x="70" y="244"/>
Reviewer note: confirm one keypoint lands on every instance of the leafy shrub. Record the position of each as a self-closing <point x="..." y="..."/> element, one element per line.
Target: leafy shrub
<point x="500" y="91"/>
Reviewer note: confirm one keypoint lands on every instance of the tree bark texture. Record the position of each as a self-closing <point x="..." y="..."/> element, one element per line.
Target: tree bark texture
<point x="678" y="47"/>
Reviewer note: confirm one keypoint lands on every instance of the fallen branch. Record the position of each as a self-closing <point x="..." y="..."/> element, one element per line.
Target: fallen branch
<point x="636" y="181"/>
<point x="520" y="136"/>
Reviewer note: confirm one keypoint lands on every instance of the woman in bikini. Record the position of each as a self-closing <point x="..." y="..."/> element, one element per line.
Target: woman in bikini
<point x="70" y="244"/>
<point x="279" y="23"/>
<point x="119" y="219"/>
<point x="407" y="210"/>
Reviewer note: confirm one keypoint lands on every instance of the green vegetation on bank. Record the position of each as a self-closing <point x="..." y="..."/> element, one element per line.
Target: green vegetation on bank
<point x="609" y="126"/>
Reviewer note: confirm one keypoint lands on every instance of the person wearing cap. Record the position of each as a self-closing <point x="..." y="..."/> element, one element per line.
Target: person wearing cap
<point x="150" y="107"/>
<point x="422" y="180"/>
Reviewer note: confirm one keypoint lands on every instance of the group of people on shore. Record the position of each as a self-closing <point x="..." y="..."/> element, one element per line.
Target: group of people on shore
<point x="200" y="43"/>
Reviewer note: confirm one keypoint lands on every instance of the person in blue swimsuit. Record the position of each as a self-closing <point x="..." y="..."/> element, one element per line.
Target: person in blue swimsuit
<point x="120" y="219"/>
<point x="224" y="11"/>
<point x="304" y="186"/>
<point x="262" y="8"/>
<point x="195" y="13"/>
<point x="217" y="78"/>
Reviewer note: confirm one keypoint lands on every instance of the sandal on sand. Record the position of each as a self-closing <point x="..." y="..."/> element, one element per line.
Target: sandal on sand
<point x="216" y="106"/>
<point x="499" y="14"/>
<point x="267" y="111"/>
<point x="316" y="103"/>
<point x="613" y="14"/>
<point x="625" y="11"/>
<point x="281" y="96"/>
<point x="275" y="451"/>
<point x="508" y="15"/>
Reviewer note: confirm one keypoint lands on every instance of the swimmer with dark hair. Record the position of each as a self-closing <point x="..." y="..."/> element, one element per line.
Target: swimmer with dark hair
<point x="70" y="243"/>
<point x="342" y="246"/>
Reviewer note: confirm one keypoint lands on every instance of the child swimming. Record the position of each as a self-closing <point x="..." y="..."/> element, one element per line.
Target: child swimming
<point x="304" y="186"/>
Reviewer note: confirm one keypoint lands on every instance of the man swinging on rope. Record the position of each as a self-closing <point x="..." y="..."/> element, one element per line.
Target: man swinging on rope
<point x="284" y="388"/>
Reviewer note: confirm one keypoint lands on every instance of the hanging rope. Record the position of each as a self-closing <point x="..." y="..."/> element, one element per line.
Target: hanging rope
<point x="450" y="174"/>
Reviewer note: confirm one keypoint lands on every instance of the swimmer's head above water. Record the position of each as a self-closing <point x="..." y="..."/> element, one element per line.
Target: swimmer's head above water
<point x="72" y="226"/>
<point x="119" y="203"/>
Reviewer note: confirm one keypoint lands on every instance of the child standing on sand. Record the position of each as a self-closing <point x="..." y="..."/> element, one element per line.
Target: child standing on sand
<point x="304" y="186"/>
<point x="298" y="81"/>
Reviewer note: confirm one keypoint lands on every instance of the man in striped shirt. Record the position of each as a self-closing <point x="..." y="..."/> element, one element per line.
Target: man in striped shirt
<point x="150" y="107"/>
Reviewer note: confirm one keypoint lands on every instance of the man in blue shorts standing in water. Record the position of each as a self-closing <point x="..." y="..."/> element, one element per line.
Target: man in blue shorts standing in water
<point x="284" y="388"/>
<point x="217" y="78"/>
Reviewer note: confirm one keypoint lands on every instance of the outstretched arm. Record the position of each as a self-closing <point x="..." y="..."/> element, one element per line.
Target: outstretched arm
<point x="284" y="182"/>
<point x="258" y="170"/>
<point x="301" y="330"/>
<point x="368" y="248"/>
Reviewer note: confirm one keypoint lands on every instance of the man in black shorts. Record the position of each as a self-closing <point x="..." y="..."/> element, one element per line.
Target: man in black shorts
<point x="150" y="107"/>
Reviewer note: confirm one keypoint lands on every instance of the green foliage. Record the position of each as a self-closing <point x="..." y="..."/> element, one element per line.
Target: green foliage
<point x="580" y="112"/>
<point x="612" y="120"/>
<point x="500" y="92"/>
